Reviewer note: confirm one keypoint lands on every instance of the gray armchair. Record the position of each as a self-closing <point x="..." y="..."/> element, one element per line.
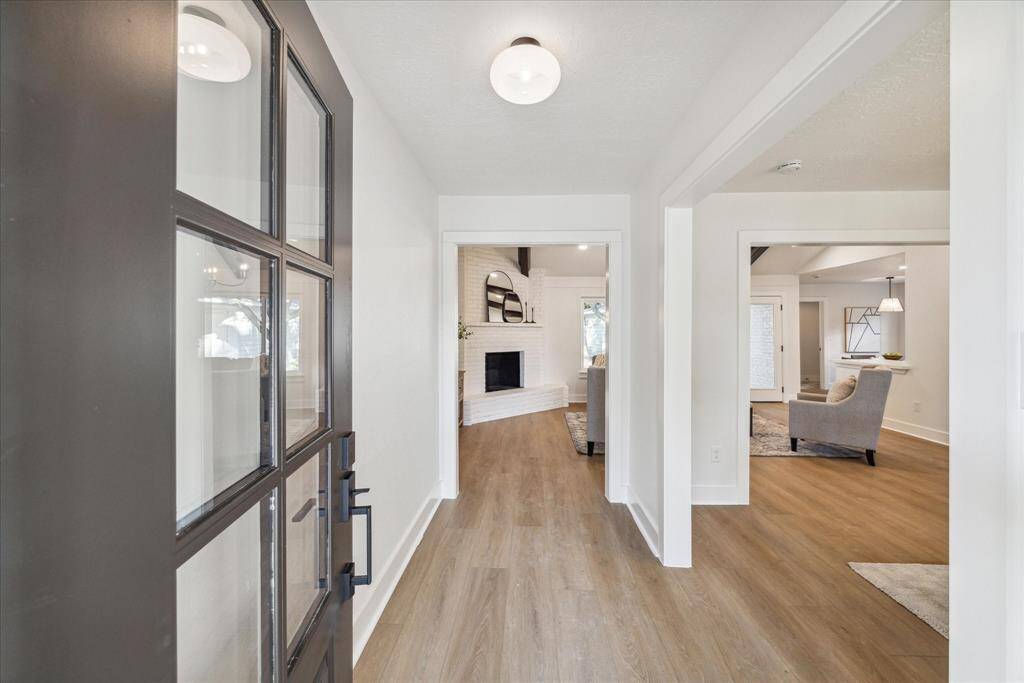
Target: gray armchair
<point x="854" y="422"/>
<point x="595" y="407"/>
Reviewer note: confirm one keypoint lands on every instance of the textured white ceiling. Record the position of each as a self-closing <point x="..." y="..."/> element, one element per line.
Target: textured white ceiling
<point x="629" y="72"/>
<point x="783" y="260"/>
<point x="888" y="131"/>
<point x="871" y="270"/>
<point x="565" y="261"/>
<point x="799" y="260"/>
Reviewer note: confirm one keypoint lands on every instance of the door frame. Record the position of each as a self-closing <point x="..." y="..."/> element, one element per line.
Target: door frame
<point x="766" y="238"/>
<point x="778" y="394"/>
<point x="616" y="457"/>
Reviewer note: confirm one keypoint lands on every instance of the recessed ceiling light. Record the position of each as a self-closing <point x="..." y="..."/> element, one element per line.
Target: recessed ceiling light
<point x="789" y="167"/>
<point x="525" y="73"/>
<point x="582" y="247"/>
<point x="903" y="267"/>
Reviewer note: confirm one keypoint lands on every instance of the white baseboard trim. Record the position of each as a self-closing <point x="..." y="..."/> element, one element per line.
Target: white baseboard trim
<point x="578" y="398"/>
<point x="645" y="523"/>
<point x="910" y="429"/>
<point x="716" y="494"/>
<point x="387" y="578"/>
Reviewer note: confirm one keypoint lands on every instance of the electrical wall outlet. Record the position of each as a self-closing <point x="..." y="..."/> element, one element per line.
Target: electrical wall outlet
<point x="716" y="454"/>
<point x="917" y="406"/>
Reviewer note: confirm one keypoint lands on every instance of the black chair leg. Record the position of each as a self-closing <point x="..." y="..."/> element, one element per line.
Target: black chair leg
<point x="590" y="448"/>
<point x="870" y="456"/>
<point x="792" y="443"/>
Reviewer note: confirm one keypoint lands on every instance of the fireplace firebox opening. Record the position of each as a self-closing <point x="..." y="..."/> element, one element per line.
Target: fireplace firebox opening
<point x="503" y="370"/>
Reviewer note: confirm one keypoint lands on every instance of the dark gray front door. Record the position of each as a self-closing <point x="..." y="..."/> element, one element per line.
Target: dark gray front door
<point x="176" y="343"/>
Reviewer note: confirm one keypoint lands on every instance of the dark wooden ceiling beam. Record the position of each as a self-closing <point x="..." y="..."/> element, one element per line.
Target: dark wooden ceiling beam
<point x="524" y="261"/>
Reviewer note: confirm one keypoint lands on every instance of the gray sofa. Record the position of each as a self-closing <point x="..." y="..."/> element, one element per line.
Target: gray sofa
<point x="595" y="406"/>
<point x="854" y="422"/>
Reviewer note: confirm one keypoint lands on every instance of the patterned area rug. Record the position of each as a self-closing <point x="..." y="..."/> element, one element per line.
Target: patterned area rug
<point x="772" y="439"/>
<point x="921" y="588"/>
<point x="577" y="424"/>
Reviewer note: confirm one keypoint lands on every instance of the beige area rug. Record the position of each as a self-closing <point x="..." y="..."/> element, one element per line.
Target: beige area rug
<point x="772" y="439"/>
<point x="921" y="588"/>
<point x="577" y="424"/>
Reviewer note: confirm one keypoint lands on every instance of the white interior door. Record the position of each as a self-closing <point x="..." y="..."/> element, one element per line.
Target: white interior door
<point x="765" y="348"/>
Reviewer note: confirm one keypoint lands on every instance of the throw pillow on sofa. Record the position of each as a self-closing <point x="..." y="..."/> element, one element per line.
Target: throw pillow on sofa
<point x="842" y="389"/>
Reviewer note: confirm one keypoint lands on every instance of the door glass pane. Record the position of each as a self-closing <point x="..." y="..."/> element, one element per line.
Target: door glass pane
<point x="306" y="152"/>
<point x="305" y="541"/>
<point x="223" y="382"/>
<point x="762" y="346"/>
<point x="306" y="355"/>
<point x="224" y="111"/>
<point x="225" y="623"/>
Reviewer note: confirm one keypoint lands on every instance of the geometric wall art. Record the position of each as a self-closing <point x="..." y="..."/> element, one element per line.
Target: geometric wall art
<point x="863" y="329"/>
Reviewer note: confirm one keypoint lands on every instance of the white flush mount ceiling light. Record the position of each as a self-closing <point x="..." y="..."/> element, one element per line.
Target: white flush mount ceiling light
<point x="207" y="50"/>
<point x="525" y="73"/>
<point x="582" y="247"/>
<point x="789" y="167"/>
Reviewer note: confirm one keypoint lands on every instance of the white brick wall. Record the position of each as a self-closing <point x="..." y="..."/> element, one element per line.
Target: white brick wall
<point x="489" y="338"/>
<point x="501" y="404"/>
<point x="475" y="264"/>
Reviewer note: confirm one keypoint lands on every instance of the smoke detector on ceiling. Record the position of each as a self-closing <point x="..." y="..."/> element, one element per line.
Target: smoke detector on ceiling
<point x="789" y="167"/>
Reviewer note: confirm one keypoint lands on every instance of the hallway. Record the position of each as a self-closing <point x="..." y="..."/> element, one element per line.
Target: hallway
<point x="532" y="575"/>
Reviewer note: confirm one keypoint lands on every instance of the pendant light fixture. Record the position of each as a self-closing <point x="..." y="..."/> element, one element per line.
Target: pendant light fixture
<point x="525" y="73"/>
<point x="890" y="304"/>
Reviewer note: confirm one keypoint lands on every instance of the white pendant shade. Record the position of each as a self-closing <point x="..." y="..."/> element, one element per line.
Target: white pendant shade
<point x="209" y="52"/>
<point x="525" y="73"/>
<point x="890" y="304"/>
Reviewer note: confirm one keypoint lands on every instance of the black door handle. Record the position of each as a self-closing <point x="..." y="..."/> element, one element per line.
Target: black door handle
<point x="347" y="505"/>
<point x="347" y="508"/>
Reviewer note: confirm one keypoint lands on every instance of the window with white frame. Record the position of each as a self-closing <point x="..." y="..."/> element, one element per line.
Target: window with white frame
<point x="593" y="328"/>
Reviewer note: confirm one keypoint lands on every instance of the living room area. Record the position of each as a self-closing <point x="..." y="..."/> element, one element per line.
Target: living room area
<point x="533" y="337"/>
<point x="849" y="411"/>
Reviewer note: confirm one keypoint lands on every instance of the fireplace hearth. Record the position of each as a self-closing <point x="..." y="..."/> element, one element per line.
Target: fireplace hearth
<point x="503" y="370"/>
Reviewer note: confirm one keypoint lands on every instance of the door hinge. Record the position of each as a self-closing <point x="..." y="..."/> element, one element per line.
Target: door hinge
<point x="782" y="347"/>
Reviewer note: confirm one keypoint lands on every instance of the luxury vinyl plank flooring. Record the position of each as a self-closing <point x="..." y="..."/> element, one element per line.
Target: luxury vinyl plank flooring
<point x="532" y="576"/>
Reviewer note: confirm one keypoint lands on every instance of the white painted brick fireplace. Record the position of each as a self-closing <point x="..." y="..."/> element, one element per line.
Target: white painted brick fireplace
<point x="475" y="263"/>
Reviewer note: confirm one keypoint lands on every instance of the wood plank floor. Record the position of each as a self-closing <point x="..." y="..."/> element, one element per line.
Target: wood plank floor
<point x="532" y="576"/>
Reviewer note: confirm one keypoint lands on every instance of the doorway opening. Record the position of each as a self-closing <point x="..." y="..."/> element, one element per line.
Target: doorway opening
<point x="819" y="314"/>
<point x="523" y="296"/>
<point x="812" y="340"/>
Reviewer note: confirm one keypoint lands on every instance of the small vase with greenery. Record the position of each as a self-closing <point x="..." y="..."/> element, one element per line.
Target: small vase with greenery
<point x="464" y="332"/>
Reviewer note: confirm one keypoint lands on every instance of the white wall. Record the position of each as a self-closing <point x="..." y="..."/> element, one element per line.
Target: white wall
<point x="645" y="433"/>
<point x="919" y="400"/>
<point x="562" y="343"/>
<point x="535" y="212"/>
<point x="395" y="344"/>
<point x="718" y="219"/>
<point x="986" y="476"/>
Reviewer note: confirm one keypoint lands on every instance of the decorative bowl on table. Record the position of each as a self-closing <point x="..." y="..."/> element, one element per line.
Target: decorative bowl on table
<point x="892" y="355"/>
